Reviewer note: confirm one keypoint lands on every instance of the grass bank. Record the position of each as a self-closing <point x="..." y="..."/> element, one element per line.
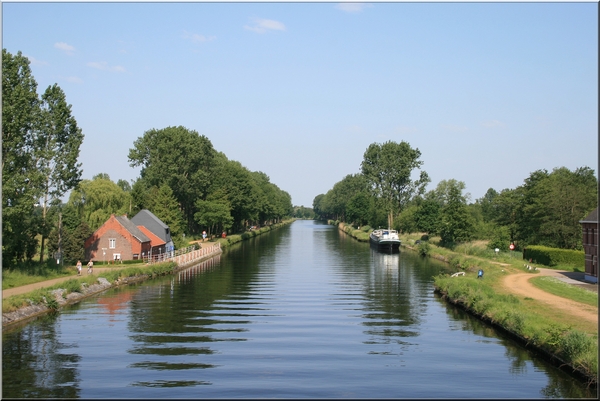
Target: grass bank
<point x="560" y="338"/>
<point x="134" y="272"/>
<point x="44" y="296"/>
<point x="235" y="238"/>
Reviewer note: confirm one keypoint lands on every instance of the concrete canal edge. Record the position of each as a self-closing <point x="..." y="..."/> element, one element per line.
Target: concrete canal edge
<point x="24" y="315"/>
<point x="592" y="381"/>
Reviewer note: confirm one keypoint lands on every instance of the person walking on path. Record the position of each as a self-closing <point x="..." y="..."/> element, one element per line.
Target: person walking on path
<point x="79" y="267"/>
<point x="90" y="266"/>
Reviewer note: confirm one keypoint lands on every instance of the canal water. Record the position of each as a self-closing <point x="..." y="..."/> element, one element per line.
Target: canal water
<point x="301" y="312"/>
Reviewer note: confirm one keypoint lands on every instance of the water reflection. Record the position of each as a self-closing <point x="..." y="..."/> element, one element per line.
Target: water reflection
<point x="38" y="363"/>
<point x="302" y="312"/>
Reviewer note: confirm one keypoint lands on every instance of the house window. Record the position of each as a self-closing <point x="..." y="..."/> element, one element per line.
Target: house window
<point x="112" y="243"/>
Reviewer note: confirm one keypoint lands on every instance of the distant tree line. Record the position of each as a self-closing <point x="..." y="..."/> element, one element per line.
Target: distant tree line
<point x="545" y="210"/>
<point x="184" y="181"/>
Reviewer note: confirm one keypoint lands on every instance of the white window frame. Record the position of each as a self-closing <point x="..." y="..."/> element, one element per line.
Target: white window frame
<point x="112" y="243"/>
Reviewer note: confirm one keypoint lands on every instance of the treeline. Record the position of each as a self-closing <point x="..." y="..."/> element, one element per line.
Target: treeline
<point x="183" y="180"/>
<point x="545" y="210"/>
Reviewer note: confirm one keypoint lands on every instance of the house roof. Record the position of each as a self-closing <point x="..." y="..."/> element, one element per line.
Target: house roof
<point x="145" y="213"/>
<point x="132" y="228"/>
<point x="154" y="240"/>
<point x="592" y="217"/>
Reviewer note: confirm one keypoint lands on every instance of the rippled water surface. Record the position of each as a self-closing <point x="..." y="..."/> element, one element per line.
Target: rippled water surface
<point x="301" y="312"/>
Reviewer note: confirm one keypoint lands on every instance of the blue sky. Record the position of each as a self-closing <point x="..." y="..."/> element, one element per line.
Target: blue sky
<point x="488" y="92"/>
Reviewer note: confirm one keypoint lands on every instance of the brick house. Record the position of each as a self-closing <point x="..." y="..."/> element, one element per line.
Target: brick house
<point x="589" y="226"/>
<point x="121" y="239"/>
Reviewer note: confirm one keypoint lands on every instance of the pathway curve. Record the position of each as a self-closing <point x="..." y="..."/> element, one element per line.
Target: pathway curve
<point x="519" y="284"/>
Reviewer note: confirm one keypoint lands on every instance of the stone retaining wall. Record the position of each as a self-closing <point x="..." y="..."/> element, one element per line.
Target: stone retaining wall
<point x="25" y="314"/>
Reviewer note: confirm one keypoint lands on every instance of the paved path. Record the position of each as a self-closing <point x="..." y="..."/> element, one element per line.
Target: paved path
<point x="48" y="283"/>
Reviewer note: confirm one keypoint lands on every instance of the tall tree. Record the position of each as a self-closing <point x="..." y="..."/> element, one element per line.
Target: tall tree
<point x="456" y="222"/>
<point x="180" y="158"/>
<point x="21" y="181"/>
<point x="388" y="168"/>
<point x="57" y="150"/>
<point x="166" y="208"/>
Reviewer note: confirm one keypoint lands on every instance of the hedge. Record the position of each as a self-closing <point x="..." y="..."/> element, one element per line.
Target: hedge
<point x="553" y="256"/>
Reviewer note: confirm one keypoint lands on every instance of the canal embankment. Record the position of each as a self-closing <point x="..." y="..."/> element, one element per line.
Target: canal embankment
<point x="49" y="297"/>
<point x="551" y="332"/>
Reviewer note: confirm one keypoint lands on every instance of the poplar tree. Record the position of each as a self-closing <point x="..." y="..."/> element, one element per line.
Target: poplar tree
<point x="57" y="150"/>
<point x="388" y="168"/>
<point x="21" y="181"/>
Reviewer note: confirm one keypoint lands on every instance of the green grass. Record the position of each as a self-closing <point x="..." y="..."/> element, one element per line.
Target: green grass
<point x="17" y="278"/>
<point x="562" y="289"/>
<point x="574" y="346"/>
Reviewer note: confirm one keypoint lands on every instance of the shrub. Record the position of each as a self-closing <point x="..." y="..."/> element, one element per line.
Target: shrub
<point x="553" y="256"/>
<point x="574" y="345"/>
<point x="424" y="248"/>
<point x="72" y="285"/>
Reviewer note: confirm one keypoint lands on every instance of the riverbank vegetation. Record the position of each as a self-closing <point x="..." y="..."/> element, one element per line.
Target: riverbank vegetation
<point x="184" y="180"/>
<point x="571" y="340"/>
<point x="544" y="212"/>
<point x="44" y="296"/>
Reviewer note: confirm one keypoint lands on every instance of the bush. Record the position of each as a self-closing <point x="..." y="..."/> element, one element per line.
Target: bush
<point x="424" y="248"/>
<point x="575" y="344"/>
<point x="553" y="256"/>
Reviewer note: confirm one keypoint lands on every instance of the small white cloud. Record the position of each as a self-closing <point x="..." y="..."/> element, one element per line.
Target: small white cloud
<point x="352" y="7"/>
<point x="492" y="124"/>
<point x="74" y="80"/>
<point x="263" y="25"/>
<point x="455" y="128"/>
<point x="197" y="38"/>
<point x="103" y="65"/>
<point x="65" y="47"/>
<point x="35" y="61"/>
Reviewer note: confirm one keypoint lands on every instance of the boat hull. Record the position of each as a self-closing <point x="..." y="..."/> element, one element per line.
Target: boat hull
<point x="385" y="240"/>
<point x="384" y="245"/>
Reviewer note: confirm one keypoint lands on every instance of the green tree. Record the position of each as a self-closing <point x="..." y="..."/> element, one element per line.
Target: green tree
<point x="569" y="197"/>
<point x="456" y="223"/>
<point x="487" y="205"/>
<point x="21" y="181"/>
<point x="406" y="221"/>
<point x="72" y="234"/>
<point x="427" y="216"/>
<point x="388" y="169"/>
<point x="57" y="150"/>
<point x="213" y="215"/>
<point x="239" y="188"/>
<point x="180" y="158"/>
<point x="164" y="206"/>
<point x="358" y="208"/>
<point x="97" y="199"/>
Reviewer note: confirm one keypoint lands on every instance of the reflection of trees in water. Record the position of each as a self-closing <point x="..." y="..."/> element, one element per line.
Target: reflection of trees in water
<point x="560" y="386"/>
<point x="177" y="324"/>
<point x="35" y="364"/>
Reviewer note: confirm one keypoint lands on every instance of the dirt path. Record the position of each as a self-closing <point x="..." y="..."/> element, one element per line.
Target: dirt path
<point x="48" y="283"/>
<point x="519" y="284"/>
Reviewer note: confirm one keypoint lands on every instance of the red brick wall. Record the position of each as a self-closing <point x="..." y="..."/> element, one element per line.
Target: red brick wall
<point x="125" y="244"/>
